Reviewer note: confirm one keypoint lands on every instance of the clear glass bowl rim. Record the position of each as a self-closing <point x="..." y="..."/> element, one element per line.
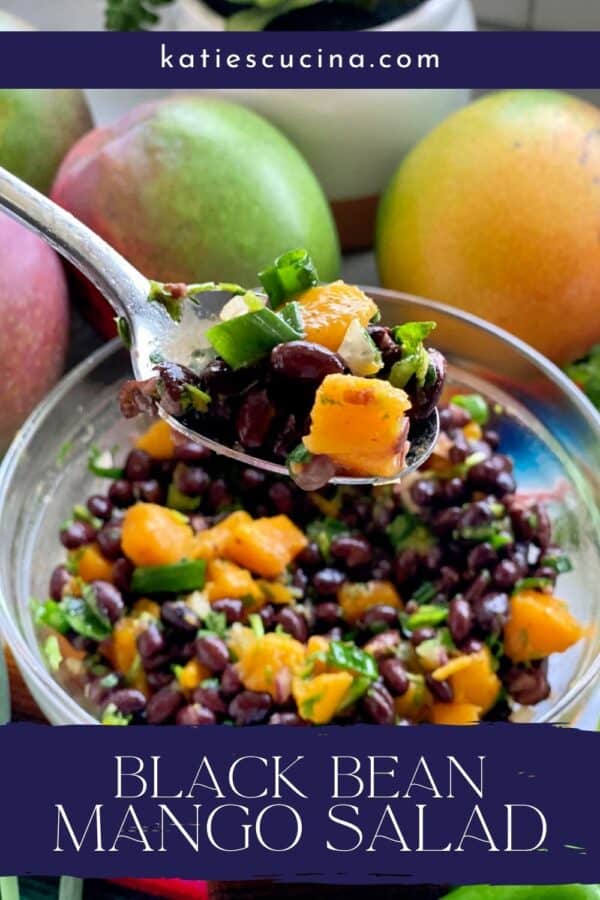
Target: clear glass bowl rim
<point x="32" y="668"/>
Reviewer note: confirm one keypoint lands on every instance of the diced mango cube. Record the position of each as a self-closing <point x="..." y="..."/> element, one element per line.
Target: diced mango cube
<point x="539" y="624"/>
<point x="360" y="424"/>
<point x="263" y="663"/>
<point x="212" y="542"/>
<point x="318" y="699"/>
<point x="454" y="713"/>
<point x="153" y="535"/>
<point x="328" y="309"/>
<point x="226" y="579"/>
<point x="157" y="441"/>
<point x="475" y="682"/>
<point x="266" y="546"/>
<point x="190" y="676"/>
<point x="356" y="598"/>
<point x="92" y="566"/>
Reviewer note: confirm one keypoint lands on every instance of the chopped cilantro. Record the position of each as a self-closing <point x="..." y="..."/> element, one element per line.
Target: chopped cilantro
<point x="215" y="623"/>
<point x="112" y="716"/>
<point x="407" y="532"/>
<point x="415" y="359"/>
<point x="557" y="561"/>
<point x="350" y="657"/>
<point x="424" y="593"/>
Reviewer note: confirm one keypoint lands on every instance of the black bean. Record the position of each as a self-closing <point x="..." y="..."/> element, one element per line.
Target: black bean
<point x="218" y="494"/>
<point x="212" y="652"/>
<point x="195" y="714"/>
<point x="491" y="611"/>
<point x="378" y="705"/>
<point x="305" y="361"/>
<point x="527" y="686"/>
<point x="294" y="623"/>
<point x="471" y="645"/>
<point x="157" y="680"/>
<point x="158" y="663"/>
<point x="460" y="619"/>
<point x="77" y="534"/>
<point x="190" y="480"/>
<point x="446" y="520"/>
<point x="59" y="579"/>
<point x="191" y="452"/>
<point x="327" y="581"/>
<point x="328" y="613"/>
<point x="254" y="419"/>
<point x="353" y="550"/>
<point x="481" y="557"/>
<point x="97" y="692"/>
<point x="180" y="616"/>
<point x="150" y="642"/>
<point x="384" y="644"/>
<point x="138" y="466"/>
<point x="506" y="574"/>
<point x="394" y="674"/>
<point x="286" y="718"/>
<point x="267" y="614"/>
<point x="252" y="479"/>
<point x="546" y="572"/>
<point x="441" y="690"/>
<point x="432" y="559"/>
<point x="211" y="699"/>
<point x="316" y="473"/>
<point x="127" y="701"/>
<point x="300" y="579"/>
<point x="163" y="705"/>
<point x="334" y="634"/>
<point x="475" y="514"/>
<point x="391" y="352"/>
<point x="406" y="565"/>
<point x="100" y="506"/>
<point x="219" y="378"/>
<point x="491" y="437"/>
<point x="478" y="587"/>
<point x="379" y="617"/>
<point x="460" y="448"/>
<point x="151" y="491"/>
<point x="281" y="497"/>
<point x="453" y="416"/>
<point x="424" y="398"/>
<point x="454" y="490"/>
<point x="108" y="600"/>
<point x="109" y="541"/>
<point x="250" y="707"/>
<point x="448" y="579"/>
<point x="182" y="653"/>
<point x="232" y="607"/>
<point x="422" y="634"/>
<point x="121" y="574"/>
<point x="121" y="493"/>
<point x="531" y="522"/>
<point x="230" y="681"/>
<point x="310" y="556"/>
<point x="382" y="569"/>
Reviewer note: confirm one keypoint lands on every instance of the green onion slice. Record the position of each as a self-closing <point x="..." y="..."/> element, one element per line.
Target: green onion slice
<point x="245" y="339"/>
<point x="291" y="273"/>
<point x="172" y="578"/>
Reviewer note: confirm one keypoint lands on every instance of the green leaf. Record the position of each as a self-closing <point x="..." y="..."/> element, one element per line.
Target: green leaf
<point x="407" y="532"/>
<point x="585" y="372"/>
<point x="246" y="339"/>
<point x="172" y="578"/>
<point x="100" y="463"/>
<point x="475" y="405"/>
<point x="112" y="716"/>
<point x="292" y="272"/>
<point x="323" y="531"/>
<point x="82" y="619"/>
<point x="51" y="650"/>
<point x="533" y="584"/>
<point x="50" y="614"/>
<point x="357" y="689"/>
<point x="348" y="656"/>
<point x="415" y="359"/>
<point x="424" y="593"/>
<point x="558" y="561"/>
<point x="426" y="617"/>
<point x="216" y="623"/>
<point x="412" y="334"/>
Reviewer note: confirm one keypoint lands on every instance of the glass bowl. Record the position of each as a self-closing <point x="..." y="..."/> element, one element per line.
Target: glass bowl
<point x="551" y="430"/>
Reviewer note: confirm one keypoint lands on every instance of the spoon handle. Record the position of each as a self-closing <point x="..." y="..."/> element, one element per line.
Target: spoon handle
<point x="124" y="287"/>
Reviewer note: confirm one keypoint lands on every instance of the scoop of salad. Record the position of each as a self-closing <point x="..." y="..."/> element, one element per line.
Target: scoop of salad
<point x="301" y="373"/>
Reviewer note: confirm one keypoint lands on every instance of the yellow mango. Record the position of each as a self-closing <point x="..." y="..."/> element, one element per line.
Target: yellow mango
<point x="260" y="660"/>
<point x="265" y="546"/>
<point x="359" y="423"/>
<point x="454" y="714"/>
<point x="190" y="676"/>
<point x="92" y="566"/>
<point x="539" y="624"/>
<point x="226" y="579"/>
<point x="318" y="699"/>
<point x="356" y="598"/>
<point x="153" y="535"/>
<point x="212" y="542"/>
<point x="328" y="309"/>
<point x="476" y="682"/>
<point x="157" y="441"/>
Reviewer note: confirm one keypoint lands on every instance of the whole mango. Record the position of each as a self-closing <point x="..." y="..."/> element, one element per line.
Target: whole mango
<point x="35" y="322"/>
<point x="196" y="189"/>
<point x="497" y="212"/>
<point x="37" y="127"/>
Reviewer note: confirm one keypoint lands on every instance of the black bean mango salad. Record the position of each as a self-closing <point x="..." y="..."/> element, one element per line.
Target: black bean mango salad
<point x="198" y="591"/>
<point x="302" y="374"/>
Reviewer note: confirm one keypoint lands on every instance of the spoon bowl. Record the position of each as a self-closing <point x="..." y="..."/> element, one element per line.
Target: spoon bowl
<point x="152" y="334"/>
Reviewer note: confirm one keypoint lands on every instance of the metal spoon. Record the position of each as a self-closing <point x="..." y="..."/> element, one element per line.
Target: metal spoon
<point x="153" y="332"/>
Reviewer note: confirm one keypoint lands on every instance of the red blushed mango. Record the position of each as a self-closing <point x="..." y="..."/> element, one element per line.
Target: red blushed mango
<point x="497" y="212"/>
<point x="34" y="309"/>
<point x="196" y="189"/>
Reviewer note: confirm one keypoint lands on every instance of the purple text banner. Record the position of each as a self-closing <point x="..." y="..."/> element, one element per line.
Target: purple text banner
<point x="299" y="60"/>
<point x="367" y="804"/>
